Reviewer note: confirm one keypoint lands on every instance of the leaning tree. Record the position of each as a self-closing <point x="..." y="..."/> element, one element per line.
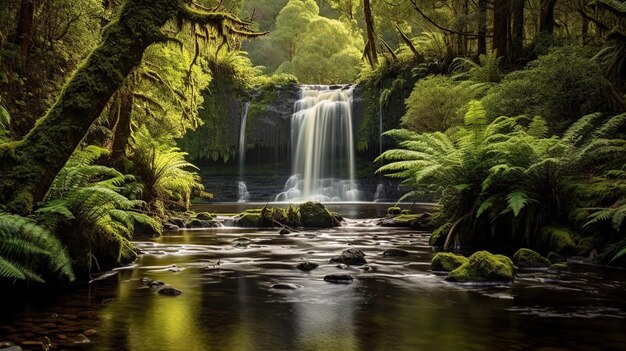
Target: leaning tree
<point x="28" y="166"/>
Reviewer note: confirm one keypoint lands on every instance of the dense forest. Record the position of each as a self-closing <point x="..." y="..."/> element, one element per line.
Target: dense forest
<point x="510" y="112"/>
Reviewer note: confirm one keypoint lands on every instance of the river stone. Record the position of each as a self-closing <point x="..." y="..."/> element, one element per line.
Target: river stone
<point x="284" y="231"/>
<point x="307" y="266"/>
<point x="169" y="290"/>
<point x="204" y="216"/>
<point x="80" y="339"/>
<point x="484" y="267"/>
<point x="339" y="278"/>
<point x="170" y="227"/>
<point x="146" y="281"/>
<point x="529" y="259"/>
<point x="352" y="256"/>
<point x="154" y="284"/>
<point x="395" y="253"/>
<point x="446" y="262"/>
<point x="12" y="348"/>
<point x="284" y="286"/>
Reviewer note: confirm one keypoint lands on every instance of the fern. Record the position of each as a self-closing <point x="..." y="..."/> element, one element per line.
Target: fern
<point x="28" y="251"/>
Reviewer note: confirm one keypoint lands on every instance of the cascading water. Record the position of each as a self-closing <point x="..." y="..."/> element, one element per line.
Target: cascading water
<point x="322" y="142"/>
<point x="244" y="195"/>
<point x="380" y="188"/>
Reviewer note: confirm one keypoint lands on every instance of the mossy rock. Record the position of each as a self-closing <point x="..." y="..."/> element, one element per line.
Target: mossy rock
<point x="196" y="223"/>
<point x="560" y="240"/>
<point x="249" y="219"/>
<point x="406" y="212"/>
<point x="204" y="216"/>
<point x="561" y="266"/>
<point x="446" y="262"/>
<point x="506" y="259"/>
<point x="314" y="214"/>
<point x="586" y="245"/>
<point x="483" y="267"/>
<point x="439" y="235"/>
<point x="394" y="210"/>
<point x="144" y="230"/>
<point x="529" y="259"/>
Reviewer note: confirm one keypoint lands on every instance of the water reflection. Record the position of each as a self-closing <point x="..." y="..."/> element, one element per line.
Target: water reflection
<point x="228" y="302"/>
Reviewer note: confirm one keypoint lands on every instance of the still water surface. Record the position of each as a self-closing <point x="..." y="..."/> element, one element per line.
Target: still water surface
<point x="228" y="302"/>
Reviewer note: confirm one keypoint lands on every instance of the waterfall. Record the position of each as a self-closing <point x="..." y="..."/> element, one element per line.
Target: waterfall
<point x="322" y="142"/>
<point x="241" y="184"/>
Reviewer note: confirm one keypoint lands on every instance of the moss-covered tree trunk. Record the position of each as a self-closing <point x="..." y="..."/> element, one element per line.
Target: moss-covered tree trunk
<point x="123" y="125"/>
<point x="29" y="166"/>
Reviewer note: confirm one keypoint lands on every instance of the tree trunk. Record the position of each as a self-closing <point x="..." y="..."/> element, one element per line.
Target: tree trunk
<point x="501" y="18"/>
<point x="24" y="33"/>
<point x="517" y="33"/>
<point x="29" y="166"/>
<point x="123" y="125"/>
<point x="482" y="27"/>
<point x="546" y="19"/>
<point x="370" y="47"/>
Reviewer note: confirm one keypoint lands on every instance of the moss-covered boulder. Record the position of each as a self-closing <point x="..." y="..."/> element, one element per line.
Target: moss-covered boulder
<point x="314" y="214"/>
<point x="447" y="262"/>
<point x="439" y="235"/>
<point x="204" y="216"/>
<point x="559" y="239"/>
<point x="587" y="244"/>
<point x="483" y="267"/>
<point x="249" y="219"/>
<point x="529" y="259"/>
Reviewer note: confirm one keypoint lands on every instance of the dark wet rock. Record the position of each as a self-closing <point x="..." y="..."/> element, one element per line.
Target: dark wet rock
<point x="179" y="222"/>
<point x="529" y="259"/>
<point x="395" y="253"/>
<point x="284" y="286"/>
<point x="342" y="266"/>
<point x="284" y="231"/>
<point x="339" y="278"/>
<point x="307" y="266"/>
<point x="483" y="267"/>
<point x="146" y="281"/>
<point x="169" y="290"/>
<point x="155" y="284"/>
<point x="561" y="266"/>
<point x="446" y="262"/>
<point x="587" y="245"/>
<point x="196" y="223"/>
<point x="170" y="227"/>
<point x="314" y="214"/>
<point x="89" y="332"/>
<point x="242" y="242"/>
<point x="350" y="256"/>
<point x="555" y="257"/>
<point x="145" y="230"/>
<point x="204" y="216"/>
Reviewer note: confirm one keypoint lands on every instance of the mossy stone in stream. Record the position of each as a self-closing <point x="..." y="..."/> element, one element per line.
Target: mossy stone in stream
<point x="394" y="210"/>
<point x="249" y="219"/>
<point x="559" y="240"/>
<point x="314" y="214"/>
<point x="446" y="262"/>
<point x="483" y="267"/>
<point x="204" y="216"/>
<point x="529" y="259"/>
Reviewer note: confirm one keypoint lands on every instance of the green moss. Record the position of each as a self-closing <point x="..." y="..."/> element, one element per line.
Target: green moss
<point x="559" y="240"/>
<point x="447" y="262"/>
<point x="527" y="258"/>
<point x="561" y="266"/>
<point x="314" y="214"/>
<point x="586" y="245"/>
<point x="439" y="235"/>
<point x="482" y="266"/>
<point x="249" y="220"/>
<point x="205" y="216"/>
<point x="394" y="210"/>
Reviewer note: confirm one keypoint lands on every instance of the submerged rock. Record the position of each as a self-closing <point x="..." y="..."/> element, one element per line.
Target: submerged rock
<point x="339" y="278"/>
<point x="284" y="231"/>
<point x="284" y="286"/>
<point x="483" y="267"/>
<point x="354" y="257"/>
<point x="529" y="259"/>
<point x="169" y="290"/>
<point x="447" y="262"/>
<point x="395" y="253"/>
<point x="307" y="266"/>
